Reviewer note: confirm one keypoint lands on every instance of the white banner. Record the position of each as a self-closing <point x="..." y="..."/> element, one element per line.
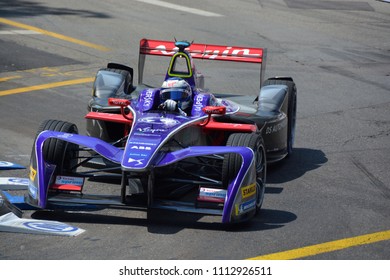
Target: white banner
<point x="199" y="270"/>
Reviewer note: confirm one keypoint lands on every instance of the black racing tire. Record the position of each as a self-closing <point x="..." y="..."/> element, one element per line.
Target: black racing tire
<point x="232" y="162"/>
<point x="291" y="109"/>
<point x="60" y="153"/>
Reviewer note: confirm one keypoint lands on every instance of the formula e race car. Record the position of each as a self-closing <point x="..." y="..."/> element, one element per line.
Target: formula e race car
<point x="176" y="147"/>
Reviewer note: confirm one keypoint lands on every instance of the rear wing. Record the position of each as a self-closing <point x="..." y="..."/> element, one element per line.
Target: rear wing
<point x="202" y="51"/>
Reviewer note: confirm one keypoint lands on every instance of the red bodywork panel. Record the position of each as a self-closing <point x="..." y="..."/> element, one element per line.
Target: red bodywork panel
<point x="117" y="118"/>
<point x="204" y="51"/>
<point x="239" y="127"/>
<point x="212" y="125"/>
<point x="66" y="187"/>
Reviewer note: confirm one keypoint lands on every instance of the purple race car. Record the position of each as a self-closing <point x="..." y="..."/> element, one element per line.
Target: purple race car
<point x="175" y="147"/>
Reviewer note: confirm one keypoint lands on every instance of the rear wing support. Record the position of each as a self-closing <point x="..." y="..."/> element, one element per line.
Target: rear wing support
<point x="202" y="51"/>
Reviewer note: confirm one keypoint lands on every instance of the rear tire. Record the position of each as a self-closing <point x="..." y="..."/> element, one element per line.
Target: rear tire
<point x="291" y="110"/>
<point x="232" y="162"/>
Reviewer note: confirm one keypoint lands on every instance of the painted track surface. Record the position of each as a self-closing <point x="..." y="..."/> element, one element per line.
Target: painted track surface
<point x="335" y="187"/>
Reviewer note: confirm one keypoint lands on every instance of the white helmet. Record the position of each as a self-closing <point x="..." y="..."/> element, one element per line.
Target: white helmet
<point x="177" y="89"/>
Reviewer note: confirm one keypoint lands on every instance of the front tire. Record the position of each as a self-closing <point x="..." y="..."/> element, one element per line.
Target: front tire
<point x="232" y="162"/>
<point x="58" y="152"/>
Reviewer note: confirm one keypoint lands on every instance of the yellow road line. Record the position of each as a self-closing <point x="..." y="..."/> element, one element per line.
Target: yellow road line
<point x="52" y="34"/>
<point x="9" y="78"/>
<point x="327" y="247"/>
<point x="46" y="86"/>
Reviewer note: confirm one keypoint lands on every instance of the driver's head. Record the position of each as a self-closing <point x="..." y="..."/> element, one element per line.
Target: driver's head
<point x="177" y="89"/>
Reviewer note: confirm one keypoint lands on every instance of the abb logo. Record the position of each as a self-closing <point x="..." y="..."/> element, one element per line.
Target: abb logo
<point x="141" y="148"/>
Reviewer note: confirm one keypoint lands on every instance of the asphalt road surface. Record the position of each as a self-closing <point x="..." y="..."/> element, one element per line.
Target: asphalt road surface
<point x="331" y="199"/>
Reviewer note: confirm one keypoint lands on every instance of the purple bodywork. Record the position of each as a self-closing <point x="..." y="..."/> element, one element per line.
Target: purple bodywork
<point x="149" y="132"/>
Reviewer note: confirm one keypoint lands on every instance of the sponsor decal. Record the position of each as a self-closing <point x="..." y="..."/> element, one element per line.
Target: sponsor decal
<point x="211" y="194"/>
<point x="143" y="143"/>
<point x="145" y="148"/>
<point x="65" y="135"/>
<point x="32" y="174"/>
<point x="137" y="150"/>
<point x="151" y="130"/>
<point x="169" y="122"/>
<point x="275" y="128"/>
<point x="248" y="190"/>
<point x="138" y="161"/>
<point x="68" y="183"/>
<point x="163" y="50"/>
<point x="166" y="122"/>
<point x="118" y="102"/>
<point x="232" y="53"/>
<point x="219" y="110"/>
<point x="67" y="180"/>
<point x="245" y="206"/>
<point x="198" y="103"/>
<point x="213" y="54"/>
<point x="148" y="99"/>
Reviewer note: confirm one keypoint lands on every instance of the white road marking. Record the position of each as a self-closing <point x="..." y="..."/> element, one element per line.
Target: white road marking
<point x="180" y="8"/>
<point x="18" y="32"/>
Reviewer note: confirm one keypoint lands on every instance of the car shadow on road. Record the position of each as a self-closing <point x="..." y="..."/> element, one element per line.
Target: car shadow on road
<point x="301" y="161"/>
<point x="168" y="222"/>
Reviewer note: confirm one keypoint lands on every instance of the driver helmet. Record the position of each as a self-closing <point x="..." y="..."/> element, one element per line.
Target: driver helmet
<point x="177" y="89"/>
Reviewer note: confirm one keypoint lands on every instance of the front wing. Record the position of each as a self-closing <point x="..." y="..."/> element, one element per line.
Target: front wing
<point x="238" y="205"/>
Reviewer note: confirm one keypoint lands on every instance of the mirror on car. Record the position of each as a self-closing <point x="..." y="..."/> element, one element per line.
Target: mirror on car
<point x="118" y="102"/>
<point x="214" y="110"/>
